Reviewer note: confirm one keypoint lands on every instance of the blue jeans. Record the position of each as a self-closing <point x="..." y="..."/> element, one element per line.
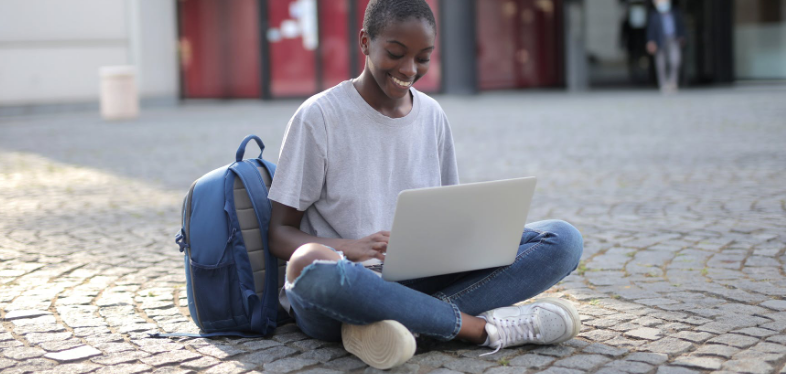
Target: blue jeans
<point x="327" y="293"/>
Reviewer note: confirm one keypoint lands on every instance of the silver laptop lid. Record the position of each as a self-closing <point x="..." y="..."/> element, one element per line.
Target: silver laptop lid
<point x="449" y="229"/>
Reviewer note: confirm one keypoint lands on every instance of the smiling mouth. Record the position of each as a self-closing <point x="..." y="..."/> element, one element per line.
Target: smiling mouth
<point x="401" y="83"/>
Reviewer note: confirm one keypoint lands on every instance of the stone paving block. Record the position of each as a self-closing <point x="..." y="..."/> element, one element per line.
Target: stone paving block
<point x="779" y="326"/>
<point x="324" y="354"/>
<point x="19" y="314"/>
<point x="554" y="350"/>
<point x="433" y="359"/>
<point x="35" y="365"/>
<point x="201" y="363"/>
<point x="6" y="363"/>
<point x="170" y="357"/>
<point x="599" y="335"/>
<point x="104" y="338"/>
<point x="290" y="337"/>
<point x="403" y="369"/>
<point x="79" y="368"/>
<point x="506" y="370"/>
<point x="747" y="366"/>
<point x="124" y="369"/>
<point x="23" y="353"/>
<point x="290" y="364"/>
<point x="716" y="350"/>
<point x="585" y="362"/>
<point x="695" y="337"/>
<point x="769" y="347"/>
<point x="605" y="350"/>
<point x="346" y="364"/>
<point x="780" y="339"/>
<point x="755" y="332"/>
<point x="44" y="337"/>
<point x="734" y="340"/>
<point x="560" y="370"/>
<point x="172" y="370"/>
<point x="120" y="357"/>
<point x="675" y="370"/>
<point x="701" y="363"/>
<point x="625" y="366"/>
<point x="758" y="355"/>
<point x="646" y="333"/>
<point x="649" y="358"/>
<point x="115" y="347"/>
<point x="73" y="354"/>
<point x="622" y="342"/>
<point x="328" y="371"/>
<point x="532" y="361"/>
<point x="468" y="365"/>
<point x="669" y="346"/>
<point x="60" y="345"/>
<point x="231" y="367"/>
<point x="303" y="345"/>
<point x="38" y="327"/>
<point x="220" y="351"/>
<point x="779" y="305"/>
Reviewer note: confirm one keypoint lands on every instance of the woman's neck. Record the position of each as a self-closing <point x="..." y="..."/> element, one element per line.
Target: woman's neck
<point x="370" y="91"/>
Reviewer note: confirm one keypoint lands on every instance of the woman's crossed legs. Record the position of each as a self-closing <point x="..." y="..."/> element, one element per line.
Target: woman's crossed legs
<point x="326" y="290"/>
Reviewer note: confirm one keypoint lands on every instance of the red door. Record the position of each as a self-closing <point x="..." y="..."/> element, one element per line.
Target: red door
<point x="433" y="79"/>
<point x="334" y="43"/>
<point x="219" y="48"/>
<point x="519" y="43"/>
<point x="293" y="38"/>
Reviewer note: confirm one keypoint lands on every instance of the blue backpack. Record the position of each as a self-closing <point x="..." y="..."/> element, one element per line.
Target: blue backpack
<point x="232" y="279"/>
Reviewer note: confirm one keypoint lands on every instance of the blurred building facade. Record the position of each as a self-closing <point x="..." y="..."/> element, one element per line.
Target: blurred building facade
<point x="50" y="50"/>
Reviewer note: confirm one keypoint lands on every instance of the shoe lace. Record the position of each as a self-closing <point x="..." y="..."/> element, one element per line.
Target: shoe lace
<point x="513" y="331"/>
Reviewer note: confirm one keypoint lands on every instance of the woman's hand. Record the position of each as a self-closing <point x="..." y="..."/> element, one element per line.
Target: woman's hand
<point x="372" y="246"/>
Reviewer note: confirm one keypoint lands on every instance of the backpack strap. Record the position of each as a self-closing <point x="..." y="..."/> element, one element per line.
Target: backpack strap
<point x="263" y="317"/>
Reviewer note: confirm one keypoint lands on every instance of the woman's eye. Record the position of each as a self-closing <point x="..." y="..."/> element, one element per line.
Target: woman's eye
<point x="424" y="60"/>
<point x="395" y="57"/>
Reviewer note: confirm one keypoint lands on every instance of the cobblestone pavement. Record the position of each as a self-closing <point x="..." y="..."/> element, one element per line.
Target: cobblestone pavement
<point x="682" y="201"/>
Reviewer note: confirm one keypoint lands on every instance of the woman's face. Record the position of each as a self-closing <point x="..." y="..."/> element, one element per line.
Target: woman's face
<point x="399" y="55"/>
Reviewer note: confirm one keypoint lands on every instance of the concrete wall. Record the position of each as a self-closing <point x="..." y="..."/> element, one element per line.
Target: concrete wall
<point x="51" y="50"/>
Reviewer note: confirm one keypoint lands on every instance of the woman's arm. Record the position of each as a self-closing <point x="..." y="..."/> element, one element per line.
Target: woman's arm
<point x="285" y="237"/>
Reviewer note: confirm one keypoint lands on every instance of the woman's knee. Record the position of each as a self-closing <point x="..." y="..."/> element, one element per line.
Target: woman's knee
<point x="306" y="255"/>
<point x="569" y="241"/>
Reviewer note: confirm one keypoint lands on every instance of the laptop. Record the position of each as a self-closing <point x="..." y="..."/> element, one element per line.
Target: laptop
<point x="450" y="229"/>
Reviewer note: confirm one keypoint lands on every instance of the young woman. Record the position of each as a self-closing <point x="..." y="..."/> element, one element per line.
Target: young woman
<point x="347" y="153"/>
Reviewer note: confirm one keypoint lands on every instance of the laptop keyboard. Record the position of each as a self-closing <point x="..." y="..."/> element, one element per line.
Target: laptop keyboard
<point x="377" y="267"/>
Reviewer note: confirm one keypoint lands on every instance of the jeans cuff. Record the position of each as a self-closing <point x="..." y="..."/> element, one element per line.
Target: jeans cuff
<point x="457" y="327"/>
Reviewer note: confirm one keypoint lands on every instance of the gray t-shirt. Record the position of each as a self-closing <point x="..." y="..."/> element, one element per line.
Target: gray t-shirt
<point x="344" y="163"/>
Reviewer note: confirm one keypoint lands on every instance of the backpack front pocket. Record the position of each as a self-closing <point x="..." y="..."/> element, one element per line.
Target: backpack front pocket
<point x="217" y="295"/>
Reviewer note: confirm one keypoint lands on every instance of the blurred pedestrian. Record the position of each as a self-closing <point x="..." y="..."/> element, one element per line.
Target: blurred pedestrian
<point x="665" y="38"/>
<point x="633" y="38"/>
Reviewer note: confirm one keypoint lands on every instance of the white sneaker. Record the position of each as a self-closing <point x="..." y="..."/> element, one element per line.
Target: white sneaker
<point x="382" y="345"/>
<point x="544" y="321"/>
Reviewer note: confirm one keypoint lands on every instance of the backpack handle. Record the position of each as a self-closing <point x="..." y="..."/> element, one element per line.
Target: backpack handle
<point x="242" y="149"/>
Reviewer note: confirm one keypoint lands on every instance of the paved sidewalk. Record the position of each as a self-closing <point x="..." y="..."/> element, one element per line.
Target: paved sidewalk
<point x="682" y="202"/>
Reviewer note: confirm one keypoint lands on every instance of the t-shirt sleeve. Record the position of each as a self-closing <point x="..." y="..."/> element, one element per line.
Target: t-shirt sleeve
<point x="447" y="154"/>
<point x="300" y="173"/>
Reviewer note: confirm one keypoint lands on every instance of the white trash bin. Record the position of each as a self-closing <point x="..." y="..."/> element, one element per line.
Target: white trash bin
<point x="119" y="98"/>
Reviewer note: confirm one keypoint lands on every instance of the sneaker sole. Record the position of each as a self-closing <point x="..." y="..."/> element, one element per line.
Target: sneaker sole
<point x="381" y="345"/>
<point x="573" y="314"/>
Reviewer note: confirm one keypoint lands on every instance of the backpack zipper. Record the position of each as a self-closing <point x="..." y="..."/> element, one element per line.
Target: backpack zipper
<point x="187" y="224"/>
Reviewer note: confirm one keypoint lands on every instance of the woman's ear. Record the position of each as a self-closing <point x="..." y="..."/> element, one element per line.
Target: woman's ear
<point x="364" y="40"/>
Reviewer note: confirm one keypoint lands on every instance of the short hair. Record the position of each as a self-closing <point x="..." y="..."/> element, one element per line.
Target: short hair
<point x="381" y="12"/>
